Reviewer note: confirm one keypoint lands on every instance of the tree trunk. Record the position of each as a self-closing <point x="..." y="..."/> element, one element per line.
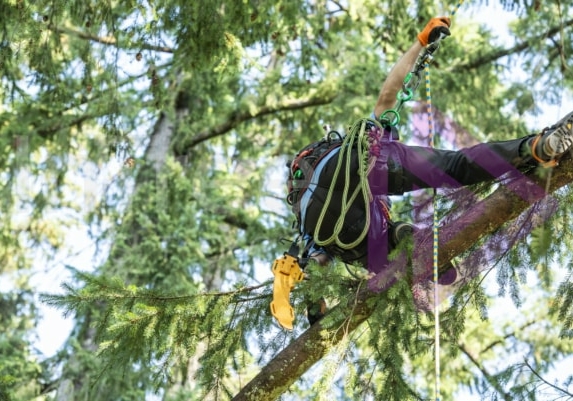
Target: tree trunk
<point x="156" y="154"/>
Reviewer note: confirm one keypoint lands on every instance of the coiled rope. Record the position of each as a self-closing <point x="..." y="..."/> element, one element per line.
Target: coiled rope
<point x="356" y="137"/>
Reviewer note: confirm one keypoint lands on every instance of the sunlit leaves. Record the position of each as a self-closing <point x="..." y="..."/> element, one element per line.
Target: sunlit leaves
<point x="243" y="86"/>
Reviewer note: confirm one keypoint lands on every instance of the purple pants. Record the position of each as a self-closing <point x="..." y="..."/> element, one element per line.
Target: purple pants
<point x="407" y="168"/>
<point x="415" y="167"/>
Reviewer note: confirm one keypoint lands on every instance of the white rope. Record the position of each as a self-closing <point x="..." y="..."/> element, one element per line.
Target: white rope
<point x="435" y="231"/>
<point x="435" y="247"/>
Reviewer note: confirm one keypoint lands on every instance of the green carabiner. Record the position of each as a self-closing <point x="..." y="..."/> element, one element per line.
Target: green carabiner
<point x="391" y="122"/>
<point x="407" y="79"/>
<point x="405" y="95"/>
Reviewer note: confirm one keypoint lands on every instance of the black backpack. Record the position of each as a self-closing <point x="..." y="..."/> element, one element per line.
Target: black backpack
<point x="317" y="196"/>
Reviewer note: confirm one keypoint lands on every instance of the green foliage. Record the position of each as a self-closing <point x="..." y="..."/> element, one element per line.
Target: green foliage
<point x="187" y="238"/>
<point x="161" y="329"/>
<point x="21" y="374"/>
<point x="563" y="306"/>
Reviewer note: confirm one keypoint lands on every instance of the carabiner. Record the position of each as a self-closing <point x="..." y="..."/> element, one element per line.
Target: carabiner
<point x="405" y="95"/>
<point x="385" y="121"/>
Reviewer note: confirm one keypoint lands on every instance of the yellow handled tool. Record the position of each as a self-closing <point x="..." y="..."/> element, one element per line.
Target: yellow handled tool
<point x="287" y="273"/>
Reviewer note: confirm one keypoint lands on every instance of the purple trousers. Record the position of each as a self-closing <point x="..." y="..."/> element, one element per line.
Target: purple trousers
<point x="415" y="167"/>
<point x="406" y="168"/>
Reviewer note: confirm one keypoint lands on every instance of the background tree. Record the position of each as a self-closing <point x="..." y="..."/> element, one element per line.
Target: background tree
<point x="195" y="107"/>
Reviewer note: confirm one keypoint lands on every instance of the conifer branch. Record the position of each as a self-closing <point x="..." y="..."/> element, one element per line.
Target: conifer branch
<point x="63" y="123"/>
<point x="106" y="291"/>
<point x="490" y="379"/>
<point x="553" y="386"/>
<point x="507" y="336"/>
<point x="107" y="40"/>
<point x="294" y="360"/>
<point x="242" y="116"/>
<point x="106" y="92"/>
<point x="518" y="48"/>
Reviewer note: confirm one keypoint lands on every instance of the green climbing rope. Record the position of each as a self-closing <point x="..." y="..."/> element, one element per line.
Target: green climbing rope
<point x="359" y="138"/>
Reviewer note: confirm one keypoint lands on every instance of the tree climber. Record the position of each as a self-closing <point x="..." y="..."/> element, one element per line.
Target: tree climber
<point x="358" y="229"/>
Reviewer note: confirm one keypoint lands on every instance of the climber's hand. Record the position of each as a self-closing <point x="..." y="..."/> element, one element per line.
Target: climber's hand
<point x="436" y="29"/>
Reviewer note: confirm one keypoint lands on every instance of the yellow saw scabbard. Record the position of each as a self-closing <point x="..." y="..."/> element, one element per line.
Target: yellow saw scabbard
<point x="287" y="273"/>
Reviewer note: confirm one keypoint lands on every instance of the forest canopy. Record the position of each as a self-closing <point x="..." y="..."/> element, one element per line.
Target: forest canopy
<point x="143" y="149"/>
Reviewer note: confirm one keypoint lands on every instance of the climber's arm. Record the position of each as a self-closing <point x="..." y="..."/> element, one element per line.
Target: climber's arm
<point x="435" y="29"/>
<point x="393" y="83"/>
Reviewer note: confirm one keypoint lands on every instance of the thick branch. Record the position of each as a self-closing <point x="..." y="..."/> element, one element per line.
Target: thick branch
<point x="293" y="361"/>
<point x="503" y="205"/>
<point x="245" y="115"/>
<point x="500" y="53"/>
<point x="107" y="40"/>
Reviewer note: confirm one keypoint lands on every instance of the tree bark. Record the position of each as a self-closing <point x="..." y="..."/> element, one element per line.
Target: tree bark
<point x="503" y="205"/>
<point x="70" y="386"/>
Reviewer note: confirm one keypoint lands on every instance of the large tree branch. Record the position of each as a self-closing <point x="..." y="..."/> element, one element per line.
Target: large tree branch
<point x="503" y="205"/>
<point x="242" y="116"/>
<point x="107" y="40"/>
<point x="504" y="52"/>
<point x="294" y="360"/>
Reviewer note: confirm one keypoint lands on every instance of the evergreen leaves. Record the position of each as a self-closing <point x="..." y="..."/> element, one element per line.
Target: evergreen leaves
<point x="176" y="300"/>
<point x="160" y="330"/>
<point x="564" y="306"/>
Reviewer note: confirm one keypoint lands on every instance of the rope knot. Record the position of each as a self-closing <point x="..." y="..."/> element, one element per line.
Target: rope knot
<point x="375" y="141"/>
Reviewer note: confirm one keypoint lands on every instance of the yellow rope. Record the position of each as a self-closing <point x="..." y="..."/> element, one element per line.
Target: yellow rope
<point x="435" y="231"/>
<point x="356" y="137"/>
<point x="456" y="8"/>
